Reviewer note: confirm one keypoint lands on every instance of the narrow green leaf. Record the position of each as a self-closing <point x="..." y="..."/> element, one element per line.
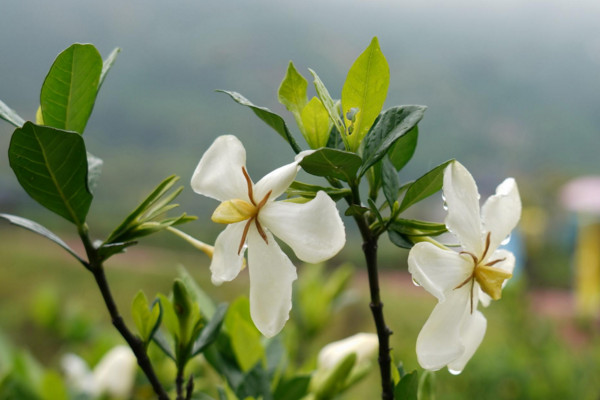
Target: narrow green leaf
<point x="267" y="116"/>
<point x="316" y="123"/>
<point x="413" y="227"/>
<point x="10" y="116"/>
<point x="211" y="330"/>
<point x="292" y="389"/>
<point x="391" y="125"/>
<point x="390" y="183"/>
<point x="40" y="230"/>
<point x="310" y="191"/>
<point x="163" y="344"/>
<point x="425" y="186"/>
<point x="69" y="90"/>
<point x="365" y="88"/>
<point x="402" y="151"/>
<point x="329" y="104"/>
<point x="292" y="91"/>
<point x="400" y="240"/>
<point x="408" y="386"/>
<point x="108" y="250"/>
<point x="107" y="65"/>
<point x="332" y="163"/>
<point x="51" y="165"/>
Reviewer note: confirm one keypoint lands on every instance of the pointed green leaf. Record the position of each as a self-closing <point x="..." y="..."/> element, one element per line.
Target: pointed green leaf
<point x="292" y="389"/>
<point x="404" y="148"/>
<point x="316" y="123"/>
<point x="10" y="116"/>
<point x="267" y="116"/>
<point x="51" y="165"/>
<point x="310" y="191"/>
<point x="211" y="330"/>
<point x="425" y="186"/>
<point x="390" y="183"/>
<point x="141" y="315"/>
<point x="413" y="227"/>
<point x="365" y="89"/>
<point x="245" y="338"/>
<point x="355" y="210"/>
<point x="107" y="65"/>
<point x="292" y="91"/>
<point x="400" y="240"/>
<point x="69" y="90"/>
<point x="40" y="230"/>
<point x="329" y="104"/>
<point x="332" y="163"/>
<point x="391" y="125"/>
<point x="107" y="250"/>
<point x="408" y="386"/>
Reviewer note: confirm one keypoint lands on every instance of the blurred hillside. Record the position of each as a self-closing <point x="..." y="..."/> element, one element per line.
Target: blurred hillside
<point x="512" y="88"/>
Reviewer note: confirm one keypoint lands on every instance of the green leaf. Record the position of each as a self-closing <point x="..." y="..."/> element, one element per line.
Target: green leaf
<point x="292" y="389"/>
<point x="355" y="210"/>
<point x="402" y="151"/>
<point x="425" y="186"/>
<point x="69" y="90"/>
<point x="198" y="295"/>
<point x="107" y="250"/>
<point x="94" y="171"/>
<point x="329" y="104"/>
<point x="400" y="240"/>
<point x="310" y="191"/>
<point x="413" y="227"/>
<point x="211" y="330"/>
<point x="107" y="65"/>
<point x="316" y="123"/>
<point x="389" y="127"/>
<point x="292" y="91"/>
<point x="245" y="338"/>
<point x="146" y="318"/>
<point x="40" y="230"/>
<point x="427" y="386"/>
<point x="267" y="116"/>
<point x="365" y="88"/>
<point x="332" y="163"/>
<point x="53" y="387"/>
<point x="390" y="182"/>
<point x="51" y="165"/>
<point x="408" y="386"/>
<point x="10" y="116"/>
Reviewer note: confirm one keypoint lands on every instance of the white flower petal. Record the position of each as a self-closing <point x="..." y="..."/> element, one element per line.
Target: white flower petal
<point x="276" y="181"/>
<point x="472" y="332"/>
<point x="364" y="345"/>
<point x="226" y="262"/>
<point x="271" y="277"/>
<point x="114" y="375"/>
<point x="313" y="230"/>
<point x="462" y="200"/>
<point x="501" y="212"/>
<point x="439" y="342"/>
<point x="219" y="173"/>
<point x="437" y="270"/>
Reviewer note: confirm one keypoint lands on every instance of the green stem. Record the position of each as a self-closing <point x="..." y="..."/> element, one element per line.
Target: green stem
<point x="136" y="344"/>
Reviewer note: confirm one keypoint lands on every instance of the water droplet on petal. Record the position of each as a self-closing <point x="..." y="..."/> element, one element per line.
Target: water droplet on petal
<point x="505" y="241"/>
<point x="454" y="372"/>
<point x="416" y="283"/>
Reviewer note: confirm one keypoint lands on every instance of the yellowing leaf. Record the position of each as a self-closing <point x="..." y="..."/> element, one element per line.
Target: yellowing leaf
<point x="317" y="124"/>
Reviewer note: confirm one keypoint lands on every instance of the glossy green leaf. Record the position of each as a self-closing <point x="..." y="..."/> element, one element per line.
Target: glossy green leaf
<point x="51" y="165"/>
<point x="402" y="151"/>
<point x="332" y="163"/>
<point x="107" y="65"/>
<point x="69" y="90"/>
<point x="267" y="116"/>
<point x="408" y="386"/>
<point x="292" y="91"/>
<point x="365" y="88"/>
<point x="245" y="338"/>
<point x="329" y="104"/>
<point x="40" y="230"/>
<point x="292" y="389"/>
<point x="400" y="239"/>
<point x="390" y="182"/>
<point x="316" y="123"/>
<point x="10" y="116"/>
<point x="211" y="330"/>
<point x="425" y="186"/>
<point x="310" y="191"/>
<point x="391" y="125"/>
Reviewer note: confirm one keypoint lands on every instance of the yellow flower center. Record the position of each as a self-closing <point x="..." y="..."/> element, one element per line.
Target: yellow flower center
<point x="490" y="278"/>
<point x="238" y="210"/>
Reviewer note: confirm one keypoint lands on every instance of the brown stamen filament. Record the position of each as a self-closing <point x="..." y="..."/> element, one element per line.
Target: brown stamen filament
<point x="254" y="218"/>
<point x="249" y="184"/>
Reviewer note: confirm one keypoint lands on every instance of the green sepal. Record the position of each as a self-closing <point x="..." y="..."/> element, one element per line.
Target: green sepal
<point x="425" y="186"/>
<point x="51" y="165"/>
<point x="267" y="116"/>
<point x="390" y="126"/>
<point x="332" y="163"/>
<point x="310" y="191"/>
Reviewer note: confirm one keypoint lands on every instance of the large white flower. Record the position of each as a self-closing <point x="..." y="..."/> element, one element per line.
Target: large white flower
<point x="459" y="280"/>
<point x="314" y="230"/>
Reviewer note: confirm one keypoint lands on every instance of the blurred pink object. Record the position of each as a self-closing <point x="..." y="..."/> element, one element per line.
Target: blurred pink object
<point x="582" y="195"/>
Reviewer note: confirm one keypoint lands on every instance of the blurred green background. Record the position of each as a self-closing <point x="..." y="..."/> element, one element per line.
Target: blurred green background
<point x="512" y="90"/>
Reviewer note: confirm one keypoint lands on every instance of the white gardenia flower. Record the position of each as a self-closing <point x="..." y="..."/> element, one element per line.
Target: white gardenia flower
<point x="314" y="230"/>
<point x="459" y="280"/>
<point x="364" y="345"/>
